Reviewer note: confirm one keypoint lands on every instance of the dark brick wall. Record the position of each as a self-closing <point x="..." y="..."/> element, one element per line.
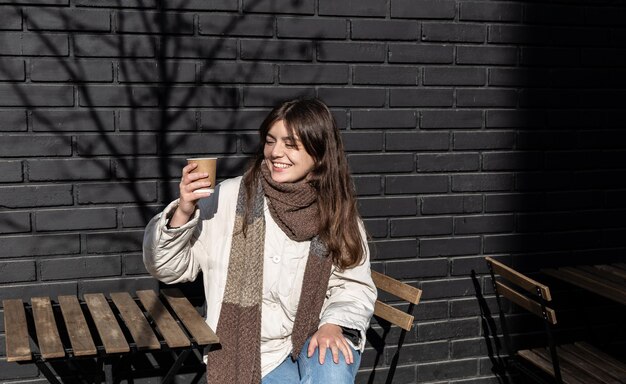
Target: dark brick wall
<point x="473" y="128"/>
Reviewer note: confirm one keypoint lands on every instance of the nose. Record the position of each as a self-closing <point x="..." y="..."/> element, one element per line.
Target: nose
<point x="278" y="149"/>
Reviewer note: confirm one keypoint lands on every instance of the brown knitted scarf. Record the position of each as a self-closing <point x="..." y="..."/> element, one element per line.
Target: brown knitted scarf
<point x="293" y="206"/>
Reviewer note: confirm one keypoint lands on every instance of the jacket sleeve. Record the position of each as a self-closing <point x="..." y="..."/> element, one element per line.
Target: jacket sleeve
<point x="351" y="297"/>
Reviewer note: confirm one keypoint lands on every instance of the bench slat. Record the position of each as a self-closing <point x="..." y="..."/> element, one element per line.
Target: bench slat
<point x="167" y="326"/>
<point x="519" y="279"/>
<point x="16" y="331"/>
<point x="585" y="365"/>
<point x="135" y="321"/>
<point x="600" y="360"/>
<point x="191" y="319"/>
<point x="393" y="315"/>
<point x="602" y="274"/>
<point x="569" y="373"/>
<point x="525" y="302"/>
<point x="48" y="337"/>
<point x="396" y="288"/>
<point x="617" y="272"/>
<point x="589" y="282"/>
<point x="614" y="366"/>
<point x="106" y="324"/>
<point x="77" y="328"/>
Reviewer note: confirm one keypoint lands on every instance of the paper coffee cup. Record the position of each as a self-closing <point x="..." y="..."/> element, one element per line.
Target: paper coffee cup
<point x="208" y="165"/>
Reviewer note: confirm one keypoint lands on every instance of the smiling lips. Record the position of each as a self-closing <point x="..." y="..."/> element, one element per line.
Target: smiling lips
<point x="281" y="165"/>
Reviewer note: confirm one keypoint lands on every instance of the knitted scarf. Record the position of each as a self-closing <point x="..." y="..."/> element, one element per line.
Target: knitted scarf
<point x="294" y="208"/>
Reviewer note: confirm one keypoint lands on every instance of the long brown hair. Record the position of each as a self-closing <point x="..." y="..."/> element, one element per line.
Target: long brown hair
<point x="313" y="123"/>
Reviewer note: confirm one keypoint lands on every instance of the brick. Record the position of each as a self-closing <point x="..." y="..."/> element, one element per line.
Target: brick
<point x="454" y="32"/>
<point x="367" y="185"/>
<point x="416" y="141"/>
<point x="353" y="97"/>
<point x="153" y="72"/>
<point x="456" y="246"/>
<point x="10" y="18"/>
<point x="453" y="369"/>
<point x="36" y="196"/>
<point x="375" y="228"/>
<point x="154" y="22"/>
<point x="482" y="182"/>
<point x="515" y="34"/>
<point x="422" y="352"/>
<point x="117" y="3"/>
<point x="490" y="11"/>
<point x="228" y="120"/>
<point x="11" y="171"/>
<point x="394" y="249"/>
<point x="369" y="8"/>
<point x="36" y="95"/>
<point x="351" y="52"/>
<point x="229" y="72"/>
<point x="424" y="97"/>
<point x="201" y="143"/>
<point x="514" y="119"/>
<point x="434" y="205"/>
<point x="470" y="307"/>
<point x="139" y="216"/>
<point x="155" y="120"/>
<point x="311" y="28"/>
<point x="380" y="75"/>
<point x="80" y="267"/>
<point x="26" y="291"/>
<point x="484" y="140"/>
<point x="540" y="56"/>
<point x="116" y="96"/>
<point x="71" y="120"/>
<point x="384" y="206"/>
<point x="75" y="219"/>
<point x="40" y="44"/>
<point x="118" y="285"/>
<point x="17" y="271"/>
<point x="314" y="74"/>
<point x="271" y="96"/>
<point x="53" y="19"/>
<point x="199" y="48"/>
<point x="455" y="76"/>
<point x="276" y="50"/>
<point x="133" y="265"/>
<point x="101" y="193"/>
<point x="381" y="163"/>
<point x="515" y="202"/>
<point x="68" y="169"/>
<point x="486" y="98"/>
<point x="454" y="329"/>
<point x="486" y="55"/>
<point x="39" y="245"/>
<point x="12" y="70"/>
<point x="122" y="144"/>
<point x="448" y="119"/>
<point x="423" y="9"/>
<point x="304" y="7"/>
<point x="192" y="96"/>
<point x="416" y="184"/>
<point x="14" y="222"/>
<point x="111" y="46"/>
<point x="384" y="30"/>
<point x="421" y="53"/>
<point x="561" y="99"/>
<point x="12" y="370"/>
<point x="512" y="243"/>
<point x="114" y="242"/>
<point x="420" y="226"/>
<point x="12" y="120"/>
<point x="417" y="269"/>
<point x="499" y="161"/>
<point x="51" y="70"/>
<point x="10" y="44"/>
<point x="214" y="5"/>
<point x="362" y="141"/>
<point x="147" y="167"/>
<point x="553" y="14"/>
<point x="385" y="119"/>
<point x="448" y="162"/>
<point x="30" y="145"/>
<point x="483" y="224"/>
<point x="236" y="25"/>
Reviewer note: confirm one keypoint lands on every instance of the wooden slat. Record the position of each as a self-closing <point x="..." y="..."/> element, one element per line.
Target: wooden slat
<point x="569" y="373"/>
<point x="519" y="279"/>
<point x="135" y="321"/>
<point x="48" y="337"/>
<point x="613" y="270"/>
<point x="16" y="331"/>
<point x="167" y="326"/>
<point x="600" y="360"/>
<point x="525" y="302"/>
<point x="583" y="364"/>
<point x="397" y="288"/>
<point x="393" y="315"/>
<point x="194" y="323"/>
<point x="602" y="274"/>
<point x="616" y="367"/>
<point x="588" y="281"/>
<point x="77" y="328"/>
<point x="109" y="330"/>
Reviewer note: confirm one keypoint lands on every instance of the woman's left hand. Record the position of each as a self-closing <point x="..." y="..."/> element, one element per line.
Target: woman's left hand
<point x="330" y="336"/>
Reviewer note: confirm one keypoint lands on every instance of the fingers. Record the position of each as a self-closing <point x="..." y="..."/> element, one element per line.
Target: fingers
<point x="322" y="354"/>
<point x="336" y="346"/>
<point x="191" y="181"/>
<point x="312" y="345"/>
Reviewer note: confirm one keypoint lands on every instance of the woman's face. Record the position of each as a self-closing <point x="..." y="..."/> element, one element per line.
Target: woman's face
<point x="285" y="156"/>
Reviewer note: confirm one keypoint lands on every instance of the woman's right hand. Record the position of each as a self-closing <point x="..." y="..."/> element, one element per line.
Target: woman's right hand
<point x="189" y="182"/>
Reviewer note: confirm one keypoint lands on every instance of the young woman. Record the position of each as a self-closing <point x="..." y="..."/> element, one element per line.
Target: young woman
<point x="283" y="253"/>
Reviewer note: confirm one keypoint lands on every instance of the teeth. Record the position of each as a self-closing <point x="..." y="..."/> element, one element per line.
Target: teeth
<point x="280" y="165"/>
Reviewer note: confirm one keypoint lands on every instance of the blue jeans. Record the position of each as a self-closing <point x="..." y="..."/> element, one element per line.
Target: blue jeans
<point x="308" y="370"/>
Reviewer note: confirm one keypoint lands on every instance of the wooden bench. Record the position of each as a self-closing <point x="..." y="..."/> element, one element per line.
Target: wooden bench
<point x="398" y="289"/>
<point x="575" y="363"/>
<point x="124" y="326"/>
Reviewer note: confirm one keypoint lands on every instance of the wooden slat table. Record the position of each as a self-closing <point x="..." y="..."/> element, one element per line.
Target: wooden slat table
<point x="123" y="326"/>
<point x="608" y="280"/>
